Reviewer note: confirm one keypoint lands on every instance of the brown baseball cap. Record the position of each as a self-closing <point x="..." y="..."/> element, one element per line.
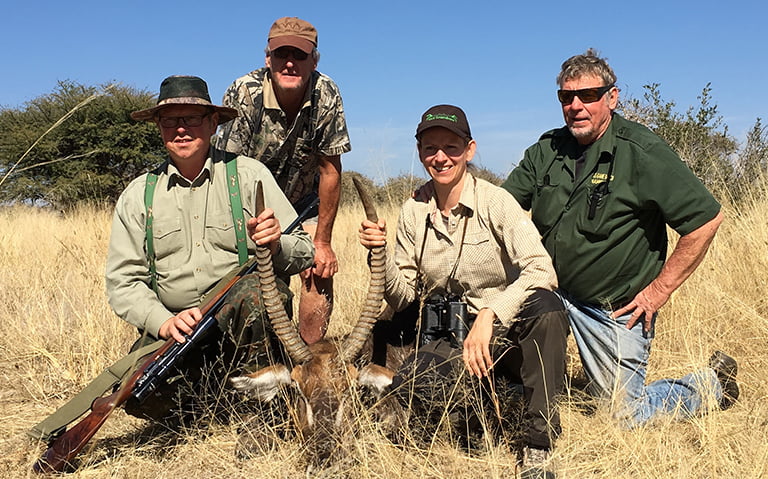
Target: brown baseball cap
<point x="447" y="116"/>
<point x="184" y="90"/>
<point x="292" y="32"/>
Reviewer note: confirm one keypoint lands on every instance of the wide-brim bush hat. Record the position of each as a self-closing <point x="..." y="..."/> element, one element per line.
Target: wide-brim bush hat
<point x="184" y="90"/>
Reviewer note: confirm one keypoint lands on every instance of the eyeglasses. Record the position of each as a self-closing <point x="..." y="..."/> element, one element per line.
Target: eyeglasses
<point x="284" y="52"/>
<point x="173" y="121"/>
<point x="586" y="95"/>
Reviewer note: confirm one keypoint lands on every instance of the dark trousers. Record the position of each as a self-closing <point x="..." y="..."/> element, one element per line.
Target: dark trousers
<point x="243" y="339"/>
<point x="531" y="353"/>
<point x="535" y="356"/>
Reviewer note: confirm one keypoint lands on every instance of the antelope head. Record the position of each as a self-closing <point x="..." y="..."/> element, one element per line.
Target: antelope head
<point x="324" y="373"/>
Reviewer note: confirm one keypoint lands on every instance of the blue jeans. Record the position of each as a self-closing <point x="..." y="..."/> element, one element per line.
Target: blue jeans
<point x="615" y="360"/>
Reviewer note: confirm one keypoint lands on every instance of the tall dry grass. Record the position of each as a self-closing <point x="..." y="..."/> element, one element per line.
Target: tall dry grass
<point x="57" y="332"/>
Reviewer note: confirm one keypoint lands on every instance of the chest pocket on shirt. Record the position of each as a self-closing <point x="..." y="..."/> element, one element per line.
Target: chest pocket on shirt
<point x="594" y="212"/>
<point x="478" y="255"/>
<point x="220" y="232"/>
<point x="548" y="203"/>
<point x="168" y="242"/>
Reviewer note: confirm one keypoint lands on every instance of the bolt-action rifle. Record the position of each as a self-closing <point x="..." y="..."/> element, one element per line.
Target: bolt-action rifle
<point x="155" y="368"/>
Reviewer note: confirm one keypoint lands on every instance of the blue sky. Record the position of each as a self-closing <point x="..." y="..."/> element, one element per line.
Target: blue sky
<point x="392" y="60"/>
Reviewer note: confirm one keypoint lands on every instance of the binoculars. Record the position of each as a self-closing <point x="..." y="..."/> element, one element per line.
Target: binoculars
<point x="444" y="316"/>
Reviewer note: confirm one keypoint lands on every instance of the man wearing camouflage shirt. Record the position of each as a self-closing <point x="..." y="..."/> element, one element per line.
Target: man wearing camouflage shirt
<point x="291" y="118"/>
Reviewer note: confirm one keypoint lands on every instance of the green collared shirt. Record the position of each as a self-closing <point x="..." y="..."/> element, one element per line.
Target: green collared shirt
<point x="606" y="228"/>
<point x="290" y="151"/>
<point x="194" y="239"/>
<point x="499" y="265"/>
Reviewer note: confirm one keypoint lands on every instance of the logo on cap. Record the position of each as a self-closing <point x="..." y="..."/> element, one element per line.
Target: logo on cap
<point x="440" y="116"/>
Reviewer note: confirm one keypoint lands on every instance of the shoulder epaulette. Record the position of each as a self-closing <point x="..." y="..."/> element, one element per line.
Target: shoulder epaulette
<point x="554" y="133"/>
<point x="634" y="132"/>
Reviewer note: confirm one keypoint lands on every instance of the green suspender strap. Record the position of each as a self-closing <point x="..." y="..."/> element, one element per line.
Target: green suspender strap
<point x="236" y="205"/>
<point x="149" y="194"/>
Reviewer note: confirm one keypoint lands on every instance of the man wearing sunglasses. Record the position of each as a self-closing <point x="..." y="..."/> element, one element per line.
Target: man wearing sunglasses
<point x="601" y="191"/>
<point x="291" y="118"/>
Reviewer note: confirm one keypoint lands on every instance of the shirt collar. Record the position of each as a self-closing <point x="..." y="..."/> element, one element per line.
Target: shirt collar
<point x="175" y="178"/>
<point x="466" y="204"/>
<point x="468" y="196"/>
<point x="605" y="143"/>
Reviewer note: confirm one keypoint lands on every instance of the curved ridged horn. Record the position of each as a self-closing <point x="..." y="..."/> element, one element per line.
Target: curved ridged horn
<point x="370" y="313"/>
<point x="282" y="325"/>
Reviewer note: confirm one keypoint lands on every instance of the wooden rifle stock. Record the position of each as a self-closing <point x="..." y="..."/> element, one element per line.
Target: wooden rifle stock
<point x="63" y="449"/>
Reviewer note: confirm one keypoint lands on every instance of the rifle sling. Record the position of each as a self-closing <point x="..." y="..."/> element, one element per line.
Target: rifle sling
<point x="56" y="423"/>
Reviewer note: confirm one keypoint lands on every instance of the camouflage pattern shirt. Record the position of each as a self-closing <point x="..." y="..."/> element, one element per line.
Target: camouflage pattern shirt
<point x="291" y="152"/>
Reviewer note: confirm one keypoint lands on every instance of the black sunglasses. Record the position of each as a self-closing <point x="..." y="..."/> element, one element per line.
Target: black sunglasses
<point x="587" y="95"/>
<point x="284" y="52"/>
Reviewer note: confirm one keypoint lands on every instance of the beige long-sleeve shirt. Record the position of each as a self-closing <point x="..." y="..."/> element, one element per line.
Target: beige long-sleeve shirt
<point x="501" y="261"/>
<point x="194" y="240"/>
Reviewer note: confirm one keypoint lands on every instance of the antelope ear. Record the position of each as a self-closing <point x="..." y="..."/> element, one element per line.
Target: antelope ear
<point x="264" y="383"/>
<point x="375" y="377"/>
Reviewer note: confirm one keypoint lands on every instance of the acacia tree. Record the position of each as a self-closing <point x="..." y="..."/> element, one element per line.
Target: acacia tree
<point x="89" y="156"/>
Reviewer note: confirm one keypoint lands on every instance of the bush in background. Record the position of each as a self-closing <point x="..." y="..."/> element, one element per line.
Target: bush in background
<point x="703" y="141"/>
<point x="91" y="156"/>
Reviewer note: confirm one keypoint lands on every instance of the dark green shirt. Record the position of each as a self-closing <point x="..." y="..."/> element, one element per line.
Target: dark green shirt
<point x="606" y="229"/>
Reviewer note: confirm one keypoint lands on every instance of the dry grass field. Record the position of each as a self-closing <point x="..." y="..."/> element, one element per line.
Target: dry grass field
<point x="57" y="333"/>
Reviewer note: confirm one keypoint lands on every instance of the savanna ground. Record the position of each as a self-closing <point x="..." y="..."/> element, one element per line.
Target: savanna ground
<point x="57" y="333"/>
